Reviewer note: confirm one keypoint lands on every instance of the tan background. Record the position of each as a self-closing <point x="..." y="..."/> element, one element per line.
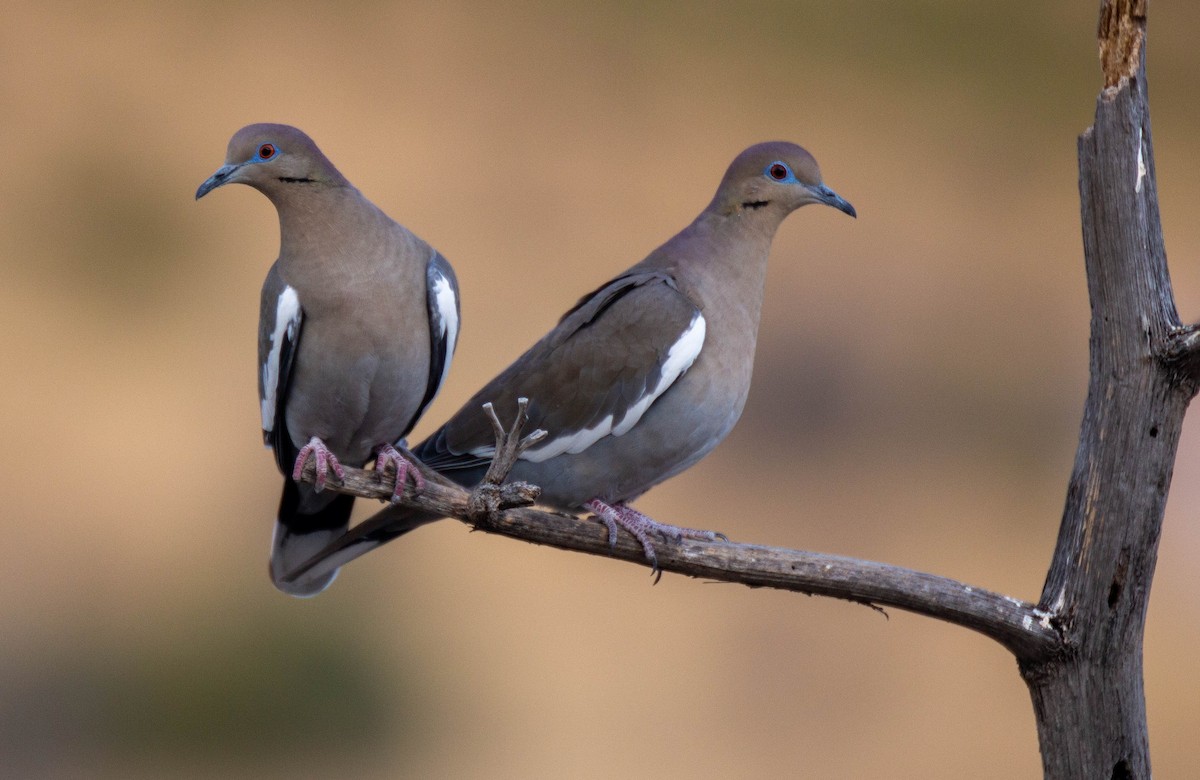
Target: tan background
<point x="919" y="382"/>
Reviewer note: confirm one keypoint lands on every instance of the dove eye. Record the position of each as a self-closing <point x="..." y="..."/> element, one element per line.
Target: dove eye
<point x="778" y="171"/>
<point x="266" y="151"/>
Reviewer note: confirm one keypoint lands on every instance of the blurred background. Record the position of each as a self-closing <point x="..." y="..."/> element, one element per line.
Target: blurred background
<point x="920" y="378"/>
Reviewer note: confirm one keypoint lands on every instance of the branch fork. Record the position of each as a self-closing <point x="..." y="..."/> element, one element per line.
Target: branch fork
<point x="493" y="494"/>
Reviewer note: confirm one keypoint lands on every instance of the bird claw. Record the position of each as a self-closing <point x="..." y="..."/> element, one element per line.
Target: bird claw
<point x="324" y="460"/>
<point x="639" y="527"/>
<point x="405" y="468"/>
<point x="607" y="515"/>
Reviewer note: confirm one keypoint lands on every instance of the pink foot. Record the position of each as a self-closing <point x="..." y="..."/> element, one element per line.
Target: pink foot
<point x="405" y="468"/>
<point x="639" y="527"/>
<point x="325" y="460"/>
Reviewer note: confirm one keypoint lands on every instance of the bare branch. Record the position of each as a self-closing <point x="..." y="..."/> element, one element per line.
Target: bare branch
<point x="1018" y="625"/>
<point x="509" y="443"/>
<point x="1181" y="355"/>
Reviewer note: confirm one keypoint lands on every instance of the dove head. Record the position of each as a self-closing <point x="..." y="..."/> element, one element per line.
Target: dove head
<point x="273" y="159"/>
<point x="774" y="178"/>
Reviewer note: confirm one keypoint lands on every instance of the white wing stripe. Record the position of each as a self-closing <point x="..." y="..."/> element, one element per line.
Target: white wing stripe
<point x="287" y="318"/>
<point x="575" y="443"/>
<point x="446" y="320"/>
<point x="680" y="357"/>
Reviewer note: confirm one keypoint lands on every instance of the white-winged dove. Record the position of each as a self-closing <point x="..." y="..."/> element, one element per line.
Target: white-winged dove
<point x="644" y="376"/>
<point x="358" y="325"/>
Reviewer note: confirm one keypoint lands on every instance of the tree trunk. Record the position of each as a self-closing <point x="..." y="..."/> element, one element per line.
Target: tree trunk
<point x="1089" y="698"/>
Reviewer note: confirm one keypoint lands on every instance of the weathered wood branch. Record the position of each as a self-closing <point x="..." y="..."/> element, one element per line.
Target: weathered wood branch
<point x="1016" y="624"/>
<point x="1180" y="355"/>
<point x="1089" y="701"/>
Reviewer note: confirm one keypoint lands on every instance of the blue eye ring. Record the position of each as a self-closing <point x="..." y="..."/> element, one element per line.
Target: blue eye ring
<point x="779" y="171"/>
<point x="265" y="152"/>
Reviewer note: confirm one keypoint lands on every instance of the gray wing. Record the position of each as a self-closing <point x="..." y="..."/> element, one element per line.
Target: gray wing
<point x="279" y="324"/>
<point x="594" y="375"/>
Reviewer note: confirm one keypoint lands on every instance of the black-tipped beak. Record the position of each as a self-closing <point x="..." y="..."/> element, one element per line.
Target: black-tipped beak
<point x="831" y="198"/>
<point x="216" y="180"/>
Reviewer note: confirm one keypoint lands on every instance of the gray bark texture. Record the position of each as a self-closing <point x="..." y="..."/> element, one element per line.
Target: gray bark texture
<point x="1088" y="696"/>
